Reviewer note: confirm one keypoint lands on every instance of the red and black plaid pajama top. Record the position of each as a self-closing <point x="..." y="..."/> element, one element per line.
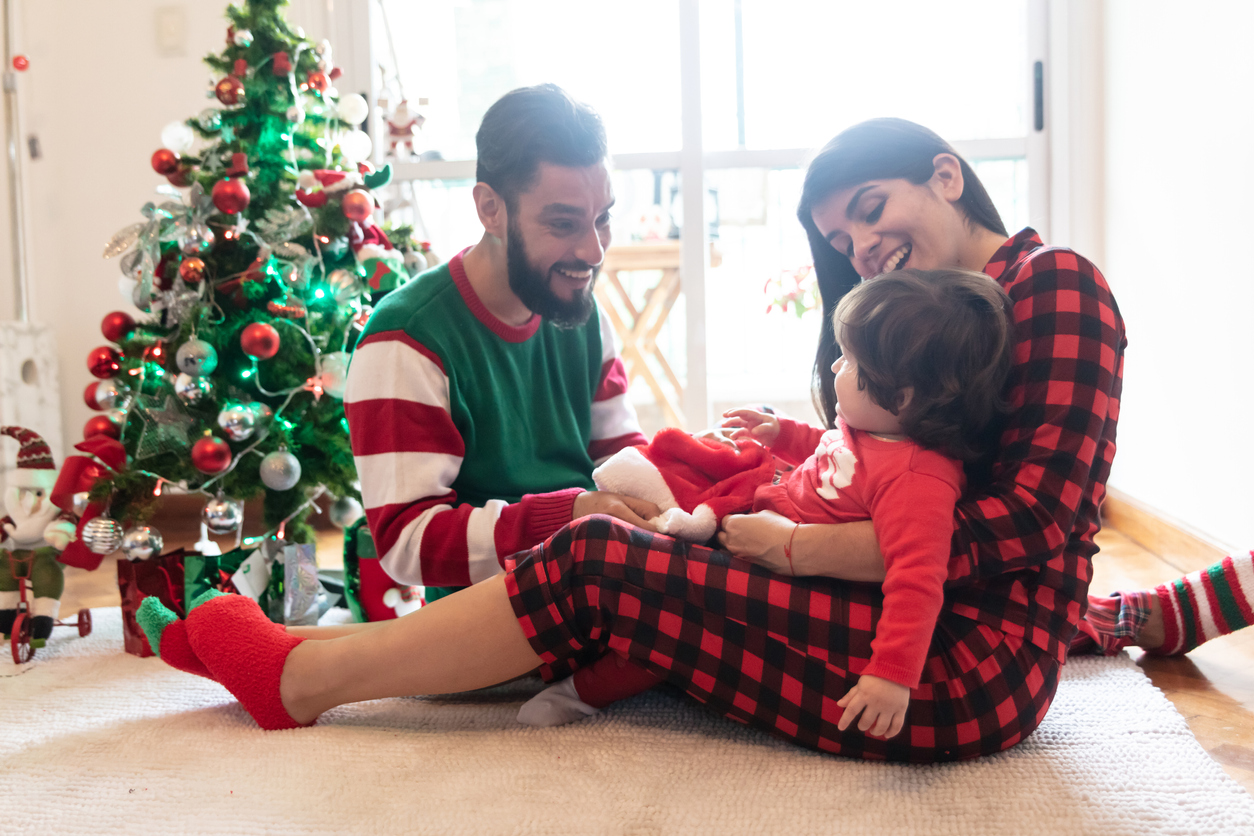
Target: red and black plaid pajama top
<point x="778" y="652"/>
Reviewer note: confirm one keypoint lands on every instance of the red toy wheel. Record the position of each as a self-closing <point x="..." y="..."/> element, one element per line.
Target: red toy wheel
<point x="84" y="622"/>
<point x="20" y="641"/>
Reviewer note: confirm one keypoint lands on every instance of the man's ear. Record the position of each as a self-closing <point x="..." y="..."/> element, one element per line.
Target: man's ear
<point x="491" y="209"/>
<point x="947" y="177"/>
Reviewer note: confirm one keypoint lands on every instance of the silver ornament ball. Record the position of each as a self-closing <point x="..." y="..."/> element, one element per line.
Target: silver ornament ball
<point x="345" y="285"/>
<point x="196" y="357"/>
<point x="243" y="38"/>
<point x="238" y="420"/>
<point x="222" y="515"/>
<point x="333" y="368"/>
<point x="261" y="411"/>
<point x="110" y="393"/>
<point x="345" y="511"/>
<point x="102" y="535"/>
<point x="192" y="390"/>
<point x="209" y="119"/>
<point x="296" y="114"/>
<point x="280" y="471"/>
<point x="79" y="503"/>
<point x="197" y="240"/>
<point x="142" y="543"/>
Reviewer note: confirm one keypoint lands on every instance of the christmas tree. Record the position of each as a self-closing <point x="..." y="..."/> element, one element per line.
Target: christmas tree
<point x="256" y="279"/>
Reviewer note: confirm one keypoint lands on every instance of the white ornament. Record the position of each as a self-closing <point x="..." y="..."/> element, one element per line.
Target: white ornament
<point x="353" y="109"/>
<point x="177" y="137"/>
<point x="356" y="146"/>
<point x="296" y="114"/>
<point x="333" y="369"/>
<point x="243" y="38"/>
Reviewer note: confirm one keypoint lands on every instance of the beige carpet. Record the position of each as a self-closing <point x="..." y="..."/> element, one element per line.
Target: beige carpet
<point x="96" y="741"/>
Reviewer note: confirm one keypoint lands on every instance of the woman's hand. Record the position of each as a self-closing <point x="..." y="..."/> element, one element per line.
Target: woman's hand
<point x="759" y="538"/>
<point x="638" y="512"/>
<point x="746" y="422"/>
<point x="881" y="703"/>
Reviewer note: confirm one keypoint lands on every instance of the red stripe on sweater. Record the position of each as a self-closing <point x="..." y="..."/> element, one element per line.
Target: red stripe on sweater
<point x="613" y="380"/>
<point x="389" y="425"/>
<point x="602" y="447"/>
<point x="402" y="337"/>
<point x="1216" y="612"/>
<point x="442" y="553"/>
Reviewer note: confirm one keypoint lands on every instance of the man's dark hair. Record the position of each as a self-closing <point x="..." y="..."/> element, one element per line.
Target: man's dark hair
<point x="533" y="125"/>
<point x="946" y="334"/>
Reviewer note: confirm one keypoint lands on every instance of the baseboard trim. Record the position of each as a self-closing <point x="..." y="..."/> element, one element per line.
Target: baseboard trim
<point x="1175" y="542"/>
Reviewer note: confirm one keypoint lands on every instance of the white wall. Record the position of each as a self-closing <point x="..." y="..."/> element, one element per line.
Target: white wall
<point x="1179" y="192"/>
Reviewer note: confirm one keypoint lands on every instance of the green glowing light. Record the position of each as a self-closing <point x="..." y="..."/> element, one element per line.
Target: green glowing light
<point x="318" y="294"/>
<point x="246" y="373"/>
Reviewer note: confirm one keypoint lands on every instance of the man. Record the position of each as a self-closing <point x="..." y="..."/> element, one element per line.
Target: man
<point x="483" y="393"/>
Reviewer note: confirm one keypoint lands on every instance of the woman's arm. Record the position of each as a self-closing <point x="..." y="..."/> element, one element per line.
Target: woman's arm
<point x="1056" y="450"/>
<point x="848" y="551"/>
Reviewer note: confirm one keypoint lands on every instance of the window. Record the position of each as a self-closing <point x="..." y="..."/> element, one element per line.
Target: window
<point x="760" y="82"/>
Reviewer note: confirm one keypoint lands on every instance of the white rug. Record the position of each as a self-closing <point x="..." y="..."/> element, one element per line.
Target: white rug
<point x="96" y="741"/>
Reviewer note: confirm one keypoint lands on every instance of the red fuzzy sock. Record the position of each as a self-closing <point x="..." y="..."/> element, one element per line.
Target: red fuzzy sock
<point x="177" y="652"/>
<point x="245" y="651"/>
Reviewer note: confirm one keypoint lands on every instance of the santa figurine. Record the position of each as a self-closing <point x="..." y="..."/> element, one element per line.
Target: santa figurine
<point x="35" y="532"/>
<point x="403" y="127"/>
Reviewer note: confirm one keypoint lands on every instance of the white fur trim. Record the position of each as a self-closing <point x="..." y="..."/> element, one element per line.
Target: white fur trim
<point x="25" y="477"/>
<point x="629" y="473"/>
<point x="697" y="527"/>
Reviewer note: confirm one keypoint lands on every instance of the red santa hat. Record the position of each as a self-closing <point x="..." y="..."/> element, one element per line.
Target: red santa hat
<point x="35" y="468"/>
<point x="695" y="482"/>
<point x="314" y="186"/>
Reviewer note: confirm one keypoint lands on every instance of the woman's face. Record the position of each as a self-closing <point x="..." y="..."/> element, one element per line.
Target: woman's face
<point x="884" y="225"/>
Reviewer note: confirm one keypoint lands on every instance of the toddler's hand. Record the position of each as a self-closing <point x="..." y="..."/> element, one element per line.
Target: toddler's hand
<point x="881" y="703"/>
<point x="746" y="422"/>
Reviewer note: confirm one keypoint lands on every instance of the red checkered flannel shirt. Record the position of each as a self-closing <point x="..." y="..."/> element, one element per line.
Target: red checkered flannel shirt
<point x="1023" y="544"/>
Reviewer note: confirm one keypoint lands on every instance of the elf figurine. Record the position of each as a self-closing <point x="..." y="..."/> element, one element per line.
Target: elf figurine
<point x="35" y="532"/>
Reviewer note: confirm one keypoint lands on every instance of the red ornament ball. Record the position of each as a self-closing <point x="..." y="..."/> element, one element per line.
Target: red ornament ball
<point x="192" y="270"/>
<point x="165" y="161"/>
<point x="104" y="361"/>
<point x="318" y="81"/>
<point x="21" y="63"/>
<point x="182" y="176"/>
<point x="229" y="90"/>
<point x="115" y="326"/>
<point x="260" y="340"/>
<point x="211" y="455"/>
<point x="101" y="425"/>
<point x="89" y="397"/>
<point x="231" y="196"/>
<point x="357" y="205"/>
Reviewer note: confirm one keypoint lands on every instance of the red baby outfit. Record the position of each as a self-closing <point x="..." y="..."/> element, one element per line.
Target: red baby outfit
<point x="908" y="492"/>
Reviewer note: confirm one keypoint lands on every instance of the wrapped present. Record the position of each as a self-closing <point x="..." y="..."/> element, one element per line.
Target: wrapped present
<point x="248" y="571"/>
<point x="137" y="579"/>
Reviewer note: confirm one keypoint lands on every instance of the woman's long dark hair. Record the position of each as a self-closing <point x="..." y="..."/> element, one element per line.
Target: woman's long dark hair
<point x="878" y="149"/>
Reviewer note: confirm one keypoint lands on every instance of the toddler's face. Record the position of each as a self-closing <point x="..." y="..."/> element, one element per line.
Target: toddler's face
<point x="855" y="405"/>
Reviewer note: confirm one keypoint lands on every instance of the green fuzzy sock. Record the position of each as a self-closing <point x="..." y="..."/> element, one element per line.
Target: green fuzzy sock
<point x="167" y="634"/>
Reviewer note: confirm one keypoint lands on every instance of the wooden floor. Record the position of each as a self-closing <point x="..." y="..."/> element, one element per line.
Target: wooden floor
<point x="1213" y="687"/>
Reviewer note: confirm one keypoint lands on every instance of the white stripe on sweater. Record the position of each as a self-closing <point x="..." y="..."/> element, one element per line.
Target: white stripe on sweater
<point x="1244" y="568"/>
<point x="609" y="339"/>
<point x="391" y="478"/>
<point x="481" y="542"/>
<point x="614" y="417"/>
<point x="1196" y="583"/>
<point x="402" y="561"/>
<point x="393" y="369"/>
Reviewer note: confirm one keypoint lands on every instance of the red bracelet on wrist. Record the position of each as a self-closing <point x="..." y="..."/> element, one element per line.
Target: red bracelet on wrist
<point x="788" y="550"/>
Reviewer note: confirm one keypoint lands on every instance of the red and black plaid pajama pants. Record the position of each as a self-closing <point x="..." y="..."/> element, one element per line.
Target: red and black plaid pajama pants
<point x="769" y="651"/>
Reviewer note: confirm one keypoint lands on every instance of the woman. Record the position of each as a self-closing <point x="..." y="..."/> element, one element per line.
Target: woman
<point x="772" y="651"/>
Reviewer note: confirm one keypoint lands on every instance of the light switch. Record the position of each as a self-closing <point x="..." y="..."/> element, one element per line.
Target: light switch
<point x="171" y="31"/>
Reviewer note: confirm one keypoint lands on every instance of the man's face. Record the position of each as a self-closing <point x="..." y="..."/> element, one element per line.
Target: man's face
<point x="556" y="240"/>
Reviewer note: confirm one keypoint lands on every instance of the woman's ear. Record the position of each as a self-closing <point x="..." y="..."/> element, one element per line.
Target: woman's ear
<point x="947" y="177"/>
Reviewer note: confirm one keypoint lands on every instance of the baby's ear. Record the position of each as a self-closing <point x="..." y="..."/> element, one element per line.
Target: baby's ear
<point x="904" y="396"/>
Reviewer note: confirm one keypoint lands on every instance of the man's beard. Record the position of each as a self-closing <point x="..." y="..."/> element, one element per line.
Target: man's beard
<point x="532" y="287"/>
